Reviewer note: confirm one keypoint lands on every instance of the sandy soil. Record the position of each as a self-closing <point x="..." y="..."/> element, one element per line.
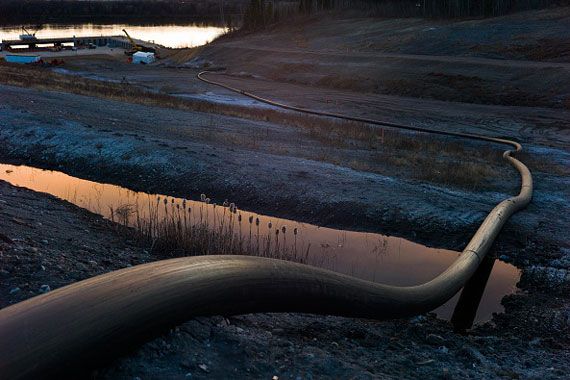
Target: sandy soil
<point x="187" y="153"/>
<point x="522" y="59"/>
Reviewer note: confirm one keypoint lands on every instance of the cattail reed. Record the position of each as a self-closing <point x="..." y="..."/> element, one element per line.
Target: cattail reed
<point x="249" y="246"/>
<point x="284" y="230"/>
<point x="169" y="226"/>
<point x="277" y="243"/>
<point x="257" y="227"/>
<point x="295" y="244"/>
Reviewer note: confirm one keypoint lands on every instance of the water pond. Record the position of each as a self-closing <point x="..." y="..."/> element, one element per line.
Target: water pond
<point x="370" y="256"/>
<point x="172" y="36"/>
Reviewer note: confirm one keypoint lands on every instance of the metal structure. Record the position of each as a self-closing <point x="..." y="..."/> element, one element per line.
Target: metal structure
<point x="103" y="313"/>
<point x="113" y="41"/>
<point x="137" y="47"/>
<point x="27" y="36"/>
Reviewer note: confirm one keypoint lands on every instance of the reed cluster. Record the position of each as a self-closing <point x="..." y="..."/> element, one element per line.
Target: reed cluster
<point x="173" y="227"/>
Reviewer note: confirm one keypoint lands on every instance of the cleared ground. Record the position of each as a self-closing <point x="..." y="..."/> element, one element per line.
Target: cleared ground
<point x="336" y="174"/>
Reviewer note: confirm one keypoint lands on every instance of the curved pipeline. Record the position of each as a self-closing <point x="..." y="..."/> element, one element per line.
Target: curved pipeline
<point x="200" y="76"/>
<point x="99" y="314"/>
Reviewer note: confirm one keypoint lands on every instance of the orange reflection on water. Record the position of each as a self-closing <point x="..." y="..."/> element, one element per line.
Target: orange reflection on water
<point x="173" y="36"/>
<point x="370" y="256"/>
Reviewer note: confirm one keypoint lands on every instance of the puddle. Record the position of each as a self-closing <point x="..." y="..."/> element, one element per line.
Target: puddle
<point x="172" y="36"/>
<point x="370" y="256"/>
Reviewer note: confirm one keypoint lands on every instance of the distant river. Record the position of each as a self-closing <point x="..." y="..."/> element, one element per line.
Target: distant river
<point x="173" y="36"/>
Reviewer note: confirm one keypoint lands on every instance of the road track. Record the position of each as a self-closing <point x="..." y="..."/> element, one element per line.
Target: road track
<point x="355" y="54"/>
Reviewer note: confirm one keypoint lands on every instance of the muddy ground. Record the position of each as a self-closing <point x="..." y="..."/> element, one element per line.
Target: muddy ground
<point x="47" y="243"/>
<point x="187" y="153"/>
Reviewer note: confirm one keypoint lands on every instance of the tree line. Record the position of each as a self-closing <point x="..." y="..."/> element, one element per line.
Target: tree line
<point x="253" y="14"/>
<point x="260" y="13"/>
<point x="13" y="12"/>
<point x="433" y="8"/>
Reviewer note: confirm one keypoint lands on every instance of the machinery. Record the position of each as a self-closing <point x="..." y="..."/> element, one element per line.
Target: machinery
<point x="27" y="36"/>
<point x="136" y="47"/>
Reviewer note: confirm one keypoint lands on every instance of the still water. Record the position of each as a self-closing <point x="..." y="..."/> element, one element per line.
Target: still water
<point x="370" y="256"/>
<point x="172" y="36"/>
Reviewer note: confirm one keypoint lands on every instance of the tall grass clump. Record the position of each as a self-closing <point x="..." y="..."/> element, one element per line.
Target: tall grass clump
<point x="173" y="227"/>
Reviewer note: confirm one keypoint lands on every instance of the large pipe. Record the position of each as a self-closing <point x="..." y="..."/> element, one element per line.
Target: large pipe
<point x="99" y="314"/>
<point x="466" y="308"/>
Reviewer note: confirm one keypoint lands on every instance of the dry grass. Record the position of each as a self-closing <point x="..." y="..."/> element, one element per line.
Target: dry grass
<point x="420" y="156"/>
<point x="173" y="228"/>
<point x="543" y="163"/>
<point x="439" y="160"/>
<point x="462" y="173"/>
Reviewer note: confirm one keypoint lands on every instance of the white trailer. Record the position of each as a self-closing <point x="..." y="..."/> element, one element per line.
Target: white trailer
<point x="141" y="57"/>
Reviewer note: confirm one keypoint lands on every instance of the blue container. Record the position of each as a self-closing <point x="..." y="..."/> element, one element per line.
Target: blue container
<point x="22" y="58"/>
